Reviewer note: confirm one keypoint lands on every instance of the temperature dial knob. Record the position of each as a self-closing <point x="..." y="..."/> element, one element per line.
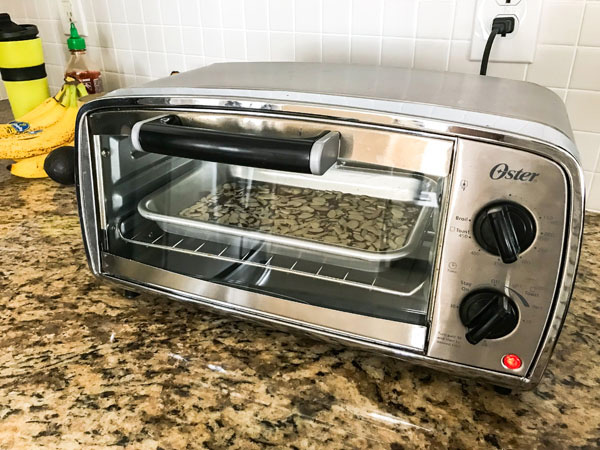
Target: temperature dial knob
<point x="488" y="314"/>
<point x="504" y="229"/>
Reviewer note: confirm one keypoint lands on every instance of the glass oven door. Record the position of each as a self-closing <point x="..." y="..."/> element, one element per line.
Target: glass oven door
<point x="325" y="224"/>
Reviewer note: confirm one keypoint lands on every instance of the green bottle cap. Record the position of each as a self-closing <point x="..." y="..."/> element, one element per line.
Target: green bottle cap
<point x="75" y="42"/>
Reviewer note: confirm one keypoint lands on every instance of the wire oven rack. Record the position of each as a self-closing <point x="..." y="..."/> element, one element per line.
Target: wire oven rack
<point x="149" y="235"/>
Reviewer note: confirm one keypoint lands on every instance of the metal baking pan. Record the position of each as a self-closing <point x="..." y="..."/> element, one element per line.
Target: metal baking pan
<point x="164" y="205"/>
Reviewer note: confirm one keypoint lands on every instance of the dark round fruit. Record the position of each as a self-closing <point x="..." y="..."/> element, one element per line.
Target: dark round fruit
<point x="60" y="165"/>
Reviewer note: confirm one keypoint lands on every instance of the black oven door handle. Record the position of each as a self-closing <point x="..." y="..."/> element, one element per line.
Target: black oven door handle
<point x="166" y="135"/>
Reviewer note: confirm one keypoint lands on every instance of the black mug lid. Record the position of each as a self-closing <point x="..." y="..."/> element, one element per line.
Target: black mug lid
<point x="10" y="31"/>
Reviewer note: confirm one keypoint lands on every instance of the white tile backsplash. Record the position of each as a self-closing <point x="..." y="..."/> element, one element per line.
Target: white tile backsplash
<point x="233" y="14"/>
<point x="590" y="30"/>
<point x="154" y="38"/>
<point x="561" y="22"/>
<point x="256" y="14"/>
<point x="463" y="19"/>
<point x="31" y="10"/>
<point x="431" y="54"/>
<point x="210" y="13"/>
<point x="212" y="39"/>
<point x="120" y="34"/>
<point x="169" y="12"/>
<point x="397" y="52"/>
<point x="137" y="37"/>
<point x="234" y="43"/>
<point x="589" y="146"/>
<point x="282" y="46"/>
<point x="593" y="195"/>
<point x="545" y="71"/>
<point x="174" y="39"/>
<point x="189" y="14"/>
<point x="337" y="16"/>
<point x="584" y="110"/>
<point x="133" y="11"/>
<point x="116" y="9"/>
<point x="150" y="11"/>
<point x="586" y="70"/>
<point x="308" y="47"/>
<point x="336" y="48"/>
<point x="258" y="45"/>
<point x="435" y="19"/>
<point x="138" y="40"/>
<point x="365" y="50"/>
<point x="281" y="15"/>
<point x="400" y="18"/>
<point x="367" y="17"/>
<point x="307" y="15"/>
<point x="192" y="40"/>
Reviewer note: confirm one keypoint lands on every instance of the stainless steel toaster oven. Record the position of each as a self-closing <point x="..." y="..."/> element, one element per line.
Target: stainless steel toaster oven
<point x="433" y="217"/>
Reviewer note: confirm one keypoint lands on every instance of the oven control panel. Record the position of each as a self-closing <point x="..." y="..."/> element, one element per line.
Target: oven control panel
<point x="501" y="257"/>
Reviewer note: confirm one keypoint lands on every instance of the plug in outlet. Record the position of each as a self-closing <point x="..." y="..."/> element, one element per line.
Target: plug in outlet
<point x="71" y="10"/>
<point x="519" y="46"/>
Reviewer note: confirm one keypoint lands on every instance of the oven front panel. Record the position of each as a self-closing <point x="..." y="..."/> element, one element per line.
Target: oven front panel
<point x="350" y="251"/>
<point x="486" y="178"/>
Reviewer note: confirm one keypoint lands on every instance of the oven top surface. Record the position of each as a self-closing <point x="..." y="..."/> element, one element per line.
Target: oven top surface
<point x="465" y="92"/>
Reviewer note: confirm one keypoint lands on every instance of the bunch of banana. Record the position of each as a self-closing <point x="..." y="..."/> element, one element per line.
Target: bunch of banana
<point x="30" y="138"/>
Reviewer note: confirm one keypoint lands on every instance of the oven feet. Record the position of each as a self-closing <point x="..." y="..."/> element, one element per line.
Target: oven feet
<point x="130" y="294"/>
<point x="502" y="390"/>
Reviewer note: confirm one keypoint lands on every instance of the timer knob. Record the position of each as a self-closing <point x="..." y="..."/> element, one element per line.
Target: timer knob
<point x="504" y="229"/>
<point x="488" y="314"/>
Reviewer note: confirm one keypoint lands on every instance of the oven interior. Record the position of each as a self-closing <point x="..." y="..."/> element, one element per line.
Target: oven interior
<point x="360" y="238"/>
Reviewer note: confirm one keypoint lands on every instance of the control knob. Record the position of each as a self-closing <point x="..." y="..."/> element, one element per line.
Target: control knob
<point x="488" y="314"/>
<point x="505" y="229"/>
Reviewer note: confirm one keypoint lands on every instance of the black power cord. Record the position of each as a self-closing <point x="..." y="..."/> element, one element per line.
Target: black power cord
<point x="501" y="26"/>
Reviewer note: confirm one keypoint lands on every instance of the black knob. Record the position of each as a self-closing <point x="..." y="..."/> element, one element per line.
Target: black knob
<point x="488" y="314"/>
<point x="504" y="229"/>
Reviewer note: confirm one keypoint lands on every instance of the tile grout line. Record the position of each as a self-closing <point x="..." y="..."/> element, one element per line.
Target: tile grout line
<point x="245" y="30"/>
<point x="455" y="3"/>
<point x="381" y="16"/>
<point x="350" y="33"/>
<point x="321" y="28"/>
<point x="268" y="3"/>
<point x="576" y="47"/>
<point x="414" y="34"/>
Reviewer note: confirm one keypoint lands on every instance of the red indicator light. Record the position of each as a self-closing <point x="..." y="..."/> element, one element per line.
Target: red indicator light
<point x="511" y="361"/>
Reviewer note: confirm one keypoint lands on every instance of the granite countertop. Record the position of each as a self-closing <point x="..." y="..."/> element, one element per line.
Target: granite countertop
<point x="83" y="366"/>
<point x="5" y="117"/>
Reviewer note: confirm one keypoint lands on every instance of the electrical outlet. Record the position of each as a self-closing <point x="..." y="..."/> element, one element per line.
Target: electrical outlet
<point x="72" y="11"/>
<point x="519" y="46"/>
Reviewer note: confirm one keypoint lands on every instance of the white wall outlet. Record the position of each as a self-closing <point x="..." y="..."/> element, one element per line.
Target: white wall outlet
<point x="72" y="11"/>
<point x="519" y="46"/>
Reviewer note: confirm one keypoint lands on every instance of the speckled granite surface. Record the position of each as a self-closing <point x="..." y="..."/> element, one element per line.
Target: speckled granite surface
<point x="81" y="366"/>
<point x="5" y="116"/>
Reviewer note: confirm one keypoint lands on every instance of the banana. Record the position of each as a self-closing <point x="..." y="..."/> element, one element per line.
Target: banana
<point x="54" y="129"/>
<point x="44" y="115"/>
<point x="30" y="167"/>
<point x="42" y="141"/>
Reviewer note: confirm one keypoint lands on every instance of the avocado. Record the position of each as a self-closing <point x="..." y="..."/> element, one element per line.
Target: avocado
<point x="60" y="165"/>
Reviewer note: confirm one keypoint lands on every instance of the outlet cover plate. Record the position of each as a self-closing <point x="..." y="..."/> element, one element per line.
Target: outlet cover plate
<point x="74" y="10"/>
<point x="519" y="46"/>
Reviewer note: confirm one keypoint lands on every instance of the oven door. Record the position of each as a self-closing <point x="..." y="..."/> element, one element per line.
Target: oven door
<point x="313" y="223"/>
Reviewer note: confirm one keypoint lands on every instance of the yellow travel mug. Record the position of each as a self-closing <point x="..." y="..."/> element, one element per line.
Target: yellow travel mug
<point x="22" y="66"/>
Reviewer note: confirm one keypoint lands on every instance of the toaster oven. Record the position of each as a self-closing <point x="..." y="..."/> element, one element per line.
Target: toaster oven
<point x="433" y="217"/>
